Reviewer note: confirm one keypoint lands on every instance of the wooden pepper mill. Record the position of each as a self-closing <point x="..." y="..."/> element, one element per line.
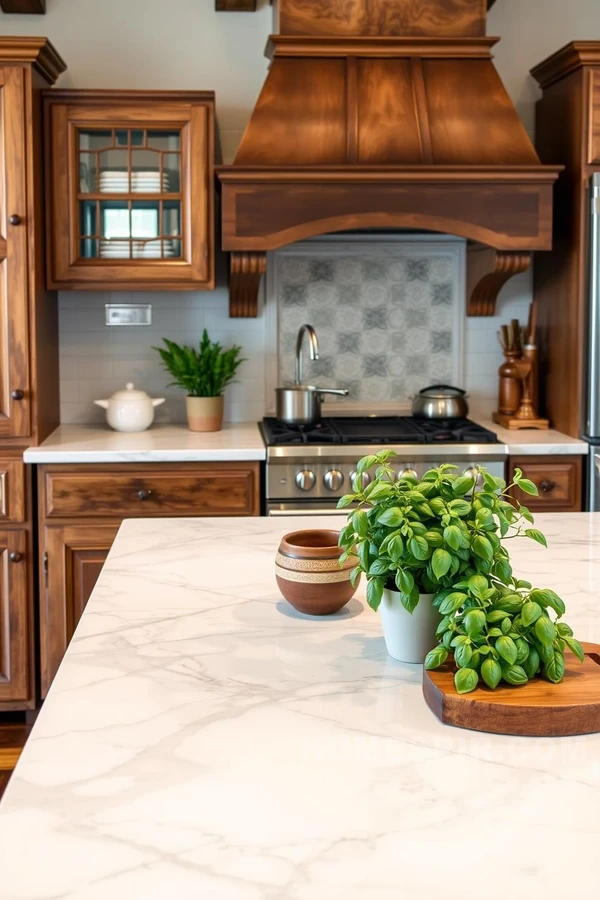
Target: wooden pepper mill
<point x="518" y="377"/>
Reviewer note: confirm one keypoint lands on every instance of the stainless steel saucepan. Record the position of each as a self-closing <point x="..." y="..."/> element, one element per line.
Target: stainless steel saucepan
<point x="300" y="405"/>
<point x="441" y="401"/>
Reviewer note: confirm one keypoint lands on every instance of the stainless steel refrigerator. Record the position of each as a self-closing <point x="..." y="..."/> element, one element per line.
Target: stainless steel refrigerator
<point x="591" y="417"/>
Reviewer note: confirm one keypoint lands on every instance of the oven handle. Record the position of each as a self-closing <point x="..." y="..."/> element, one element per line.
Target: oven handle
<point x="306" y="512"/>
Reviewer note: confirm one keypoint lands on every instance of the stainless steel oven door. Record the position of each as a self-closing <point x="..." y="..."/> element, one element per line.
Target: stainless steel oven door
<point x="304" y="508"/>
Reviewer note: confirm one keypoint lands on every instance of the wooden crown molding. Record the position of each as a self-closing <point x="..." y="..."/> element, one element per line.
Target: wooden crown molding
<point x="245" y="272"/>
<point x="488" y="270"/>
<point x="312" y="46"/>
<point x="38" y="51"/>
<point x="101" y="96"/>
<point x="392" y="174"/>
<point x="24" y="7"/>
<point x="566" y="60"/>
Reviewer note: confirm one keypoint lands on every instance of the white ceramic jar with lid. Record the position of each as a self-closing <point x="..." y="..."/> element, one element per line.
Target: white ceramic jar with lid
<point x="130" y="409"/>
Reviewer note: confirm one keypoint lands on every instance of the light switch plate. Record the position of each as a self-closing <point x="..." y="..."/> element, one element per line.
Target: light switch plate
<point x="128" y="313"/>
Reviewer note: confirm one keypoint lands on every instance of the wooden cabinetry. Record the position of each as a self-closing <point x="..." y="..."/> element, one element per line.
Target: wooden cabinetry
<point x="558" y="480"/>
<point x="129" y="181"/>
<point x="81" y="508"/>
<point x="567" y="132"/>
<point x="29" y="395"/>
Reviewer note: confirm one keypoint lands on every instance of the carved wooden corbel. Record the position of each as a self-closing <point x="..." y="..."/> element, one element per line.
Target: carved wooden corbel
<point x="246" y="270"/>
<point x="488" y="270"/>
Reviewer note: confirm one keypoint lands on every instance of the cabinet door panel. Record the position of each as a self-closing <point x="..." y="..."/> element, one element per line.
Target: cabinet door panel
<point x="557" y="478"/>
<point x="15" y="618"/>
<point x="14" y="343"/>
<point x="75" y="556"/>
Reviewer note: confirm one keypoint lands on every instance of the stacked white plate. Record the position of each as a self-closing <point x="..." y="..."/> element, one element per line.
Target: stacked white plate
<point x="117" y="182"/>
<point x="120" y="249"/>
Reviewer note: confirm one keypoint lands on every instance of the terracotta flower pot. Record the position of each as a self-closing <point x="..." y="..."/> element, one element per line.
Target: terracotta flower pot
<point x="204" y="413"/>
<point x="309" y="574"/>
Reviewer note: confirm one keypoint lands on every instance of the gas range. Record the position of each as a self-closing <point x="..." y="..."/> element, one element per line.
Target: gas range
<point x="309" y="470"/>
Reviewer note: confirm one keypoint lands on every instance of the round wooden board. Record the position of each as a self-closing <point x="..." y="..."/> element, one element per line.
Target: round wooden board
<point x="537" y="709"/>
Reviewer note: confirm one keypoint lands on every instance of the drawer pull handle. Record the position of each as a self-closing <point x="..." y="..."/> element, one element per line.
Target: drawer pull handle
<point x="144" y="495"/>
<point x="547" y="486"/>
<point x="18" y="394"/>
<point x="15" y="219"/>
<point x="15" y="556"/>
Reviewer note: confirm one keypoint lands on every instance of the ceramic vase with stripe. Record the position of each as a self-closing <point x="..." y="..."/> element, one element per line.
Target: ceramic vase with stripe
<point x="309" y="574"/>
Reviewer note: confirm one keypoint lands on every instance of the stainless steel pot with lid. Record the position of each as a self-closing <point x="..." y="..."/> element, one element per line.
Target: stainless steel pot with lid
<point x="441" y="401"/>
<point x="300" y="405"/>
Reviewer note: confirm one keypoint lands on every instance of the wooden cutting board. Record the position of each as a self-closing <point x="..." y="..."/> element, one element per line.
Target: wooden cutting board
<point x="537" y="709"/>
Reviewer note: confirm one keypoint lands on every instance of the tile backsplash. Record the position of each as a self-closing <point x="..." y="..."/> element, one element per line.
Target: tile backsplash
<point x="97" y="360"/>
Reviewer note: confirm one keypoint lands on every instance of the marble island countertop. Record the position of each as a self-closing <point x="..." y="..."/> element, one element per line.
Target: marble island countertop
<point x="241" y="442"/>
<point x="202" y="740"/>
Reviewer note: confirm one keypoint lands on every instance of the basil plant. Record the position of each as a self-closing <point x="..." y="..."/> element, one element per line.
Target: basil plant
<point x="444" y="535"/>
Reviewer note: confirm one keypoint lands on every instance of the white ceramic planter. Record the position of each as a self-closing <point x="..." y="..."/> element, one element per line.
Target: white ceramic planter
<point x="408" y="638"/>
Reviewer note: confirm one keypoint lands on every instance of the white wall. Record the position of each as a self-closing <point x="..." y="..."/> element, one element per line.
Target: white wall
<point x="186" y="44"/>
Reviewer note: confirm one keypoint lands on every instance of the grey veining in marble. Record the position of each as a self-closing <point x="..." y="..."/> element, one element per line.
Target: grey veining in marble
<point x="202" y="740"/>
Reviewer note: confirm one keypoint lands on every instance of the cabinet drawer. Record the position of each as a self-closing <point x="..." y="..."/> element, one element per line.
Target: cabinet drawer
<point x="558" y="480"/>
<point x="12" y="490"/>
<point x="200" y="489"/>
<point x="594" y="130"/>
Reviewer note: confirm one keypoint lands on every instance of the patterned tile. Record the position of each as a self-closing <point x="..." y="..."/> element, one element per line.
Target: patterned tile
<point x="385" y="323"/>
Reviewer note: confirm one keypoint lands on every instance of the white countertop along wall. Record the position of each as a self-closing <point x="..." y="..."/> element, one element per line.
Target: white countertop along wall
<point x="241" y="441"/>
<point x="202" y="740"/>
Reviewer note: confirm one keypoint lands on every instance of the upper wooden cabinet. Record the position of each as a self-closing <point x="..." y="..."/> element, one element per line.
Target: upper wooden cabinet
<point x="129" y="181"/>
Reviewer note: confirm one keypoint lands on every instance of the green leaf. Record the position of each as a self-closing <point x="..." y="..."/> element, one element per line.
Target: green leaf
<point x="355" y="576"/>
<point x="514" y="675"/>
<point x="496" y="615"/>
<point x="436" y="657"/>
<point x="474" y="622"/>
<point x="404" y="581"/>
<point x="482" y="547"/>
<point x="438" y="506"/>
<point x="507" y="649"/>
<point x="536" y="535"/>
<point x="410" y="601"/>
<point x="380" y="566"/>
<point x="360" y="523"/>
<point x="346" y="500"/>
<point x="440" y="562"/>
<point x="433" y="538"/>
<point x="442" y="625"/>
<point x="363" y="555"/>
<point x="575" y="647"/>
<point x="377" y="490"/>
<point x="466" y="680"/>
<point x="462" y="655"/>
<point x="452" y="602"/>
<point x="532" y="663"/>
<point x="459" y="640"/>
<point x="365" y="463"/>
<point x="545" y="631"/>
<point x="564" y="630"/>
<point x="463" y="485"/>
<point x="393" y="517"/>
<point x="546" y="597"/>
<point x="375" y="592"/>
<point x="419" y="548"/>
<point x="459" y="507"/>
<point x="395" y="548"/>
<point x="491" y="672"/>
<point x="484" y="518"/>
<point x="554" y="670"/>
<point x="522" y="650"/>
<point x="528" y="487"/>
<point x="530" y="613"/>
<point x="478" y="584"/>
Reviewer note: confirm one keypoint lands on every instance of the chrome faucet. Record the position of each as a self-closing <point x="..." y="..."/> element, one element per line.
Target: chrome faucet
<point x="313" y="348"/>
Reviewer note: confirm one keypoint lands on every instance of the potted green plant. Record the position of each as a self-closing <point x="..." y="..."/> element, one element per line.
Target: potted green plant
<point x="203" y="374"/>
<point x="437" y="569"/>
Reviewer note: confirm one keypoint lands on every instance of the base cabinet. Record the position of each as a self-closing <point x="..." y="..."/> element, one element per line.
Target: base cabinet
<point x="16" y="620"/>
<point x="81" y="508"/>
<point x="559" y="480"/>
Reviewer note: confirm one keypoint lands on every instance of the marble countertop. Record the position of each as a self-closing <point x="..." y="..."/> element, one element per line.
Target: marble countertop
<point x="202" y="740"/>
<point x="162" y="443"/>
<point x="242" y="442"/>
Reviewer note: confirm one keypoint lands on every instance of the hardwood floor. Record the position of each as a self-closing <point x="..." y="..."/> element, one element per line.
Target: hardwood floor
<point x="12" y="739"/>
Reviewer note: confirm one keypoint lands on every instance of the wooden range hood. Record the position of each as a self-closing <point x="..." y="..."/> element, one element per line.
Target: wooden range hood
<point x="385" y="114"/>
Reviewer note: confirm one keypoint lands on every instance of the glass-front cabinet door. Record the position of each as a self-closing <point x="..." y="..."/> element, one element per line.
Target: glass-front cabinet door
<point x="133" y="207"/>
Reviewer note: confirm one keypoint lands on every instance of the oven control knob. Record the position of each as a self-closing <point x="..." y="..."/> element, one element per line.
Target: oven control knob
<point x="408" y="473"/>
<point x="305" y="479"/>
<point x="359" y="482"/>
<point x="333" y="480"/>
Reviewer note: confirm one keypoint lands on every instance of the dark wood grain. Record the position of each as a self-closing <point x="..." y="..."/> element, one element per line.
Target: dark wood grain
<point x="24" y="7"/>
<point x="209" y="489"/>
<point x="17" y="625"/>
<point x="190" y="111"/>
<point x="12" y="489"/>
<point x="537" y="709"/>
<point x="245" y="273"/>
<point x="559" y="480"/>
<point x="384" y="17"/>
<point x="235" y="5"/>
